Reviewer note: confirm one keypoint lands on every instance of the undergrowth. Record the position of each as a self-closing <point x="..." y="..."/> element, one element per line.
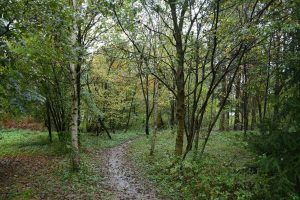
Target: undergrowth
<point x="224" y="172"/>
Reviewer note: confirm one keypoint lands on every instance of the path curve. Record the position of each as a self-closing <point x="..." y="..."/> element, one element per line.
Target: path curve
<point x="122" y="178"/>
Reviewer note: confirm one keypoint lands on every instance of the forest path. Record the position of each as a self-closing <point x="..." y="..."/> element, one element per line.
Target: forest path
<point x="122" y="177"/>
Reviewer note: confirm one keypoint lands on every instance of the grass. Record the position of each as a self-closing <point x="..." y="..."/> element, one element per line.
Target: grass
<point x="91" y="142"/>
<point x="39" y="169"/>
<point x="224" y="172"/>
<point x="26" y="142"/>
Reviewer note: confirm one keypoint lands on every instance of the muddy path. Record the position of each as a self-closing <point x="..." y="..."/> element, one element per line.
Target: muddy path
<point x="123" y="178"/>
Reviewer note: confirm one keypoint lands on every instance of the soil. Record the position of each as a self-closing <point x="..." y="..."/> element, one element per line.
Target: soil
<point x="123" y="178"/>
<point x="22" y="171"/>
<point x="121" y="181"/>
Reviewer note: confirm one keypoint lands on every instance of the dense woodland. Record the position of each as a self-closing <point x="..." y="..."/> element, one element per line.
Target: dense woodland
<point x="196" y="81"/>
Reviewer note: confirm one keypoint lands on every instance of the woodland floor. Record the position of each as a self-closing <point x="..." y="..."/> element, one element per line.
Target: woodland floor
<point x="121" y="168"/>
<point x="106" y="173"/>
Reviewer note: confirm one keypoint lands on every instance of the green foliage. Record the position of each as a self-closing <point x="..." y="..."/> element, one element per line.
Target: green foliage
<point x="279" y="159"/>
<point x="224" y="172"/>
<point x="111" y="94"/>
<point x="37" y="48"/>
<point x="278" y="143"/>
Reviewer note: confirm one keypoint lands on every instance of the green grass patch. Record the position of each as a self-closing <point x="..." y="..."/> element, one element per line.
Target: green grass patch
<point x="224" y="172"/>
<point x="25" y="142"/>
<point x="93" y="142"/>
<point x="56" y="180"/>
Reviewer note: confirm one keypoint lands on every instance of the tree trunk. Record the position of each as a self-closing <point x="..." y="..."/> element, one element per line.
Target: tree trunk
<point x="75" y="102"/>
<point x="130" y="110"/>
<point x="180" y="109"/>
<point x="74" y="122"/>
<point x="212" y="123"/>
<point x="237" y="122"/>
<point x="222" y="121"/>
<point x="78" y="86"/>
<point x="179" y="75"/>
<point x="145" y="90"/>
<point x="155" y="116"/>
<point x="104" y="127"/>
<point x="245" y="101"/>
<point x="267" y="78"/>
<point x="253" y="115"/>
<point x="147" y="121"/>
<point x="276" y="96"/>
<point x="246" y="119"/>
<point x="172" y="114"/>
<point x="259" y="109"/>
<point x="48" y="121"/>
<point x="227" y="121"/>
<point x="159" y="120"/>
<point x="223" y="113"/>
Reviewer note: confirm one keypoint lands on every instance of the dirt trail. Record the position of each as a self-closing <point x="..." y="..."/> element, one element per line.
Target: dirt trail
<point x="123" y="179"/>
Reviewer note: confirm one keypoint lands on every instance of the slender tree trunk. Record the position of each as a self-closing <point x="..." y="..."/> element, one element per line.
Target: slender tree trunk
<point x="237" y="122"/>
<point x="155" y="116"/>
<point x="147" y="120"/>
<point x="223" y="113"/>
<point x="159" y="120"/>
<point x="48" y="120"/>
<point x="104" y="127"/>
<point x="173" y="107"/>
<point x="259" y="109"/>
<point x="211" y="125"/>
<point x="78" y="85"/>
<point x="267" y="78"/>
<point x="145" y="90"/>
<point x="276" y="96"/>
<point x="222" y="122"/>
<point x="74" y="122"/>
<point x="130" y="110"/>
<point x="172" y="113"/>
<point x="227" y="120"/>
<point x="78" y="78"/>
<point x="75" y="102"/>
<point x="278" y="84"/>
<point x="253" y="115"/>
<point x="245" y="100"/>
<point x="195" y="99"/>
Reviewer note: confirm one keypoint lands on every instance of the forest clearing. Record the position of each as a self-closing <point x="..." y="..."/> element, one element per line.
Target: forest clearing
<point x="150" y="99"/>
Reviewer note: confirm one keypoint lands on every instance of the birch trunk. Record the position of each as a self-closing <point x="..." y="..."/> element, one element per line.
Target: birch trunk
<point x="75" y="102"/>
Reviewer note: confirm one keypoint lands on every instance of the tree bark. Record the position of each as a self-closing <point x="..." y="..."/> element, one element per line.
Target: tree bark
<point x="172" y="113"/>
<point x="48" y="121"/>
<point x="75" y="102"/>
<point x="179" y="75"/>
<point x="74" y="122"/>
<point x="155" y="116"/>
<point x="245" y="100"/>
<point x="253" y="115"/>
<point x="223" y="113"/>
<point x="237" y="122"/>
